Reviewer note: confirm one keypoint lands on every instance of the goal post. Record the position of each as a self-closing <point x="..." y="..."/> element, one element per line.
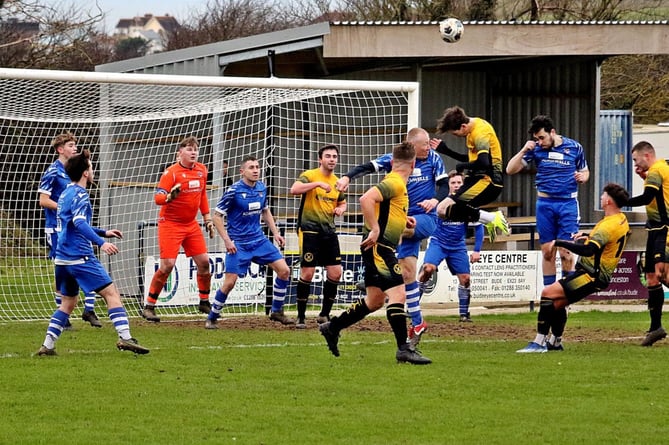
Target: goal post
<point x="132" y="124"/>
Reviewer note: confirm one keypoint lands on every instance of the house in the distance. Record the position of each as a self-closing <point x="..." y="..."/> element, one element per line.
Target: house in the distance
<point x="154" y="29"/>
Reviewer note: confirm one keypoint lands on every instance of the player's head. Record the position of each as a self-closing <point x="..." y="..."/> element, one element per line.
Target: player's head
<point x="455" y="181"/>
<point x="80" y="165"/>
<point x="250" y="169"/>
<point x="328" y="155"/>
<point x="420" y="140"/>
<point x="188" y="151"/>
<point x="542" y="131"/>
<point x="454" y="121"/>
<point x="643" y="155"/>
<point x="616" y="193"/>
<point x="65" y="144"/>
<point x="404" y="155"/>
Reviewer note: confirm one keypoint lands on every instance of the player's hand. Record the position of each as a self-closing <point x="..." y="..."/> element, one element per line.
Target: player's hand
<point x="109" y="248"/>
<point x="172" y="195"/>
<point x="338" y="211"/>
<point x="325" y="186"/>
<point x="529" y="146"/>
<point x="434" y="143"/>
<point x="342" y="183"/>
<point x="428" y="205"/>
<point x="411" y="222"/>
<point x="281" y="241"/>
<point x="580" y="177"/>
<point x="475" y="257"/>
<point x="209" y="225"/>
<point x="230" y="246"/>
<point x="114" y="233"/>
<point x="371" y="239"/>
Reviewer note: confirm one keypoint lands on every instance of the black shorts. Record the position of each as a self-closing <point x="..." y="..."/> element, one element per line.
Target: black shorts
<point x="477" y="191"/>
<point x="382" y="269"/>
<point x="580" y="284"/>
<point x="656" y="248"/>
<point x="318" y="249"/>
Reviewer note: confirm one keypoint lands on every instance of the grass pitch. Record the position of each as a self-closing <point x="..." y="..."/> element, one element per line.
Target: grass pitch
<point x="252" y="382"/>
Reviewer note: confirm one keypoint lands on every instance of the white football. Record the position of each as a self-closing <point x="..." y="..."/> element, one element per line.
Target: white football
<point x="451" y="30"/>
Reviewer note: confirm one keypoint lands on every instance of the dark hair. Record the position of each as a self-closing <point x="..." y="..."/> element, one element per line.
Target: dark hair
<point x="539" y="123"/>
<point x="248" y="158"/>
<point x="327" y="147"/>
<point x="190" y="140"/>
<point x="617" y="193"/>
<point x="77" y="165"/>
<point x="455" y="173"/>
<point x="452" y="119"/>
<point x="63" y="139"/>
<point x="643" y="146"/>
<point x="404" y="152"/>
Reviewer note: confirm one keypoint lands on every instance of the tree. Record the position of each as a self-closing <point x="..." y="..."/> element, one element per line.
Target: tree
<point x="231" y="19"/>
<point x="130" y="47"/>
<point x="62" y="37"/>
<point x="638" y="83"/>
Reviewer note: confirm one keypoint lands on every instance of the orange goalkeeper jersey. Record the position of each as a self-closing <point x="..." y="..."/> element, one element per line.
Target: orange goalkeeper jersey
<point x="193" y="194"/>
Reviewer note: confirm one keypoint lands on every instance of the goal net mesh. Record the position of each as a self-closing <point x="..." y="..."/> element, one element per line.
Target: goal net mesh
<point x="133" y="131"/>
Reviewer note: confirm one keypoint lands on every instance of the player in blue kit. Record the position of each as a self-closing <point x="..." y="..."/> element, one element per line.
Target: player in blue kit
<point x="448" y="244"/>
<point x="53" y="182"/>
<point x="561" y="166"/>
<point x="243" y="204"/>
<point x="424" y="187"/>
<point x="76" y="264"/>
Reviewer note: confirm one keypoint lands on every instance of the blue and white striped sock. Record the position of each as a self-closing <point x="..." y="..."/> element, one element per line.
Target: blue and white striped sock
<point x="55" y="328"/>
<point x="217" y="305"/>
<point x="119" y="318"/>
<point x="89" y="302"/>
<point x="464" y="295"/>
<point x="413" y="302"/>
<point x="280" y="288"/>
<point x="58" y="299"/>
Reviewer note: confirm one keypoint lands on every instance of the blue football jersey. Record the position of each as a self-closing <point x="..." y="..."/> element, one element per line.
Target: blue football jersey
<point x="556" y="167"/>
<point x="242" y="206"/>
<point x="53" y="182"/>
<point x="422" y="182"/>
<point x="75" y="233"/>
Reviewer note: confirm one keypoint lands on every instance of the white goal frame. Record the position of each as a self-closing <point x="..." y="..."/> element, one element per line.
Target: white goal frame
<point x="39" y="304"/>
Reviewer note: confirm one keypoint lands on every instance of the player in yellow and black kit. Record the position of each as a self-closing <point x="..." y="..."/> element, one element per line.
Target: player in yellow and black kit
<point x="483" y="163"/>
<point x="319" y="244"/>
<point x="599" y="253"/>
<point x="384" y="208"/>
<point x="656" y="199"/>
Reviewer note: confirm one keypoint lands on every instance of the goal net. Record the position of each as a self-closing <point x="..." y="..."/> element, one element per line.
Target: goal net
<point x="132" y="125"/>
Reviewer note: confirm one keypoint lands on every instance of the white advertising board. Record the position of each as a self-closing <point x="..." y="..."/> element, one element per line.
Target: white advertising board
<point x="181" y="286"/>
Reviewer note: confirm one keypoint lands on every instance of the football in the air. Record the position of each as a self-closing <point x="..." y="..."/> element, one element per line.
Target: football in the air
<point x="451" y="30"/>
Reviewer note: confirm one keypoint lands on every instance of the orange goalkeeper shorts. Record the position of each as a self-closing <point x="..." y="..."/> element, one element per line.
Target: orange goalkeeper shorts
<point x="172" y="236"/>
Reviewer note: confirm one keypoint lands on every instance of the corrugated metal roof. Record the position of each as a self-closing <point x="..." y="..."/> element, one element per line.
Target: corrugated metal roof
<point x="505" y="22"/>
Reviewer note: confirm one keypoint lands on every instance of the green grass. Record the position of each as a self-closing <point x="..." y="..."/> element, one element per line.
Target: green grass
<point x="276" y="386"/>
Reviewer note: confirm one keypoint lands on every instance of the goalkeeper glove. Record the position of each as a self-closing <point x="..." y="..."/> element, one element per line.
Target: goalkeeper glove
<point x="210" y="228"/>
<point x="172" y="195"/>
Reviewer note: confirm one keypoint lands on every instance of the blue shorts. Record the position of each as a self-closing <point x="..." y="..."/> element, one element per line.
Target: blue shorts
<point x="52" y="242"/>
<point x="557" y="219"/>
<point x="456" y="260"/>
<point x="90" y="276"/>
<point x="238" y="263"/>
<point x="426" y="224"/>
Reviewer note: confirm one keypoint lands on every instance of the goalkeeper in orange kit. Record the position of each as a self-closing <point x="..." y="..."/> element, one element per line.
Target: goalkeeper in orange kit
<point x="181" y="192"/>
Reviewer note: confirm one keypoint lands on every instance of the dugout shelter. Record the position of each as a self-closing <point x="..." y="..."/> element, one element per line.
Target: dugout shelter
<point x="503" y="71"/>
